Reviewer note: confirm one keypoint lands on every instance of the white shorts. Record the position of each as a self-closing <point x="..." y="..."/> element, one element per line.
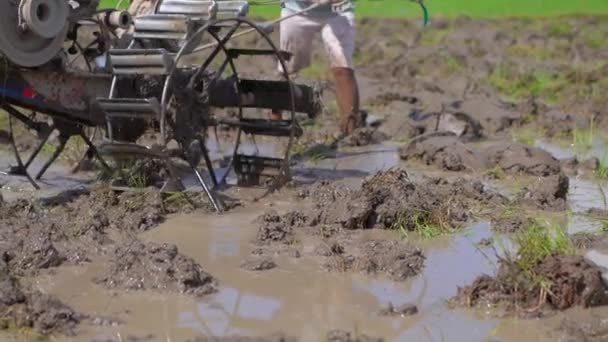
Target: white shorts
<point x="338" y="33"/>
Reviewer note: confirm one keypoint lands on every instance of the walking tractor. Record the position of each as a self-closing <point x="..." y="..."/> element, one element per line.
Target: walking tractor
<point x="170" y="67"/>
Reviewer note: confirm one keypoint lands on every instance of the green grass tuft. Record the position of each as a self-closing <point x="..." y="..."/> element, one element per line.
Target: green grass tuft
<point x="602" y="168"/>
<point x="537" y="242"/>
<point x="426" y="225"/>
<point x="582" y="138"/>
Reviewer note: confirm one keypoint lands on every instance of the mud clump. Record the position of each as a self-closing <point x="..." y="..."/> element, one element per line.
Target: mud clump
<point x="547" y="193"/>
<point x="556" y="123"/>
<point x="23" y="308"/>
<point x="258" y="264"/>
<point x="573" y="166"/>
<point x="39" y="235"/>
<point x="151" y="266"/>
<point x="573" y="280"/>
<point x="396" y="260"/>
<point x="345" y="336"/>
<point x="390" y="199"/>
<point x="519" y="158"/>
<point x="277" y="228"/>
<point x="510" y="224"/>
<point x="492" y="116"/>
<point x="445" y="152"/>
<point x="401" y="310"/>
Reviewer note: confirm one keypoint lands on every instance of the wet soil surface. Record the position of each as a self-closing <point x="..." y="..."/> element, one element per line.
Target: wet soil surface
<point x="454" y="112"/>
<point x="573" y="281"/>
<point x="23" y="307"/>
<point x="76" y="227"/>
<point x="391" y="200"/>
<point x="138" y="266"/>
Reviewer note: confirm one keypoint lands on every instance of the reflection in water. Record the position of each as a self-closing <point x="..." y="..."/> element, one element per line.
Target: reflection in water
<point x="216" y="316"/>
<point x="582" y="196"/>
<point x="445" y="325"/>
<point x="446" y="269"/>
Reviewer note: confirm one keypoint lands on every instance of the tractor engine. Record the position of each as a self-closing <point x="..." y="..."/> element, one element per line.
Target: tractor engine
<point x="32" y="32"/>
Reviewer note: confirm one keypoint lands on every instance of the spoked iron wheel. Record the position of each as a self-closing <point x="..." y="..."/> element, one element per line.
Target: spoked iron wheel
<point x="44" y="131"/>
<point x="225" y="88"/>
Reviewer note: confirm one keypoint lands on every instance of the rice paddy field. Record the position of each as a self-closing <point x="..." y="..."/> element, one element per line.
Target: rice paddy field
<point x="454" y="8"/>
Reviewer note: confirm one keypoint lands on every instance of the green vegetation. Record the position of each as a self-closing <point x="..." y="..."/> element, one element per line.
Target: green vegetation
<point x="602" y="168"/>
<point x="509" y="211"/>
<point x="452" y="8"/>
<point x="427" y="225"/>
<point x="532" y="83"/>
<point x="560" y="29"/>
<point x="538" y="242"/>
<point x="582" y="138"/>
<point x="317" y="156"/>
<point x="526" y="135"/>
<point x="496" y="172"/>
<point x="433" y="37"/>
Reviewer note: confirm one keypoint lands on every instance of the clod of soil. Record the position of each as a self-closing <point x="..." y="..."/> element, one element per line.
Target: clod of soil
<point x="390" y="199"/>
<point x="574" y="281"/>
<point x="36" y="235"/>
<point x="395" y="259"/>
<point x="329" y="248"/>
<point x="21" y="308"/>
<point x="401" y="310"/>
<point x="519" y="158"/>
<point x="510" y="224"/>
<point x="573" y="166"/>
<point x="547" y="193"/>
<point x="364" y="136"/>
<point x="445" y="152"/>
<point x="345" y="336"/>
<point x="556" y="123"/>
<point x="149" y="266"/>
<point x="258" y="264"/>
<point x="492" y="116"/>
<point x="277" y="228"/>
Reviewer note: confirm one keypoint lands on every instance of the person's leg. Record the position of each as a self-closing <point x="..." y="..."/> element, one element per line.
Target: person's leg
<point x="339" y="38"/>
<point x="347" y="92"/>
<point x="296" y="35"/>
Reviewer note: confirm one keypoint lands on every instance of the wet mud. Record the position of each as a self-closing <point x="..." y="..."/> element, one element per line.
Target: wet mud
<point x="24" y="307"/>
<point x="449" y="153"/>
<point x="76" y="227"/>
<point x="445" y="152"/>
<point x="391" y="200"/>
<point x="592" y="330"/>
<point x="138" y="266"/>
<point x="572" y="281"/>
<point x="548" y="193"/>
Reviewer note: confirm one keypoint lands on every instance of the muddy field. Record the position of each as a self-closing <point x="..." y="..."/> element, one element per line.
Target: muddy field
<point x="473" y="207"/>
